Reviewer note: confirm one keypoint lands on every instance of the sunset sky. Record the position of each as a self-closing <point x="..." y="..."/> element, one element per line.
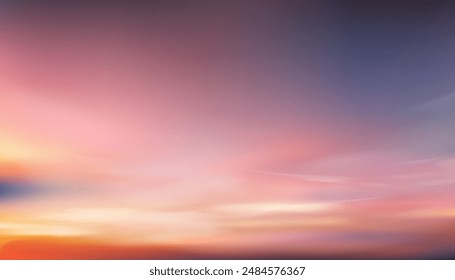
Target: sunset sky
<point x="227" y="129"/>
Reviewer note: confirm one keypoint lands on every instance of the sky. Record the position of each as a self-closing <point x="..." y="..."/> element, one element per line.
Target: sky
<point x="227" y="129"/>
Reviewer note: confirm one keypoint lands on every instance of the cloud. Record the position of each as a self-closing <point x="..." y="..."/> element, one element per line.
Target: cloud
<point x="35" y="229"/>
<point x="277" y="207"/>
<point x="304" y="177"/>
<point x="14" y="189"/>
<point x="134" y="225"/>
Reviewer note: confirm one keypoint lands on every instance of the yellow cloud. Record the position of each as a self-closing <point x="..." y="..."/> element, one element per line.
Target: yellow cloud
<point x="13" y="149"/>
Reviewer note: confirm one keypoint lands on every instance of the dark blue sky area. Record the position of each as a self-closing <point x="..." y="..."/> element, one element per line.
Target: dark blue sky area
<point x="12" y="189"/>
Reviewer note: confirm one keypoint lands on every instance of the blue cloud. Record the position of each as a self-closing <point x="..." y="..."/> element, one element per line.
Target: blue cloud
<point x="15" y="189"/>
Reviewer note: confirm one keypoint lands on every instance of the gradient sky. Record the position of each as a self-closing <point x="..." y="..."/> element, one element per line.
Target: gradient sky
<point x="227" y="129"/>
